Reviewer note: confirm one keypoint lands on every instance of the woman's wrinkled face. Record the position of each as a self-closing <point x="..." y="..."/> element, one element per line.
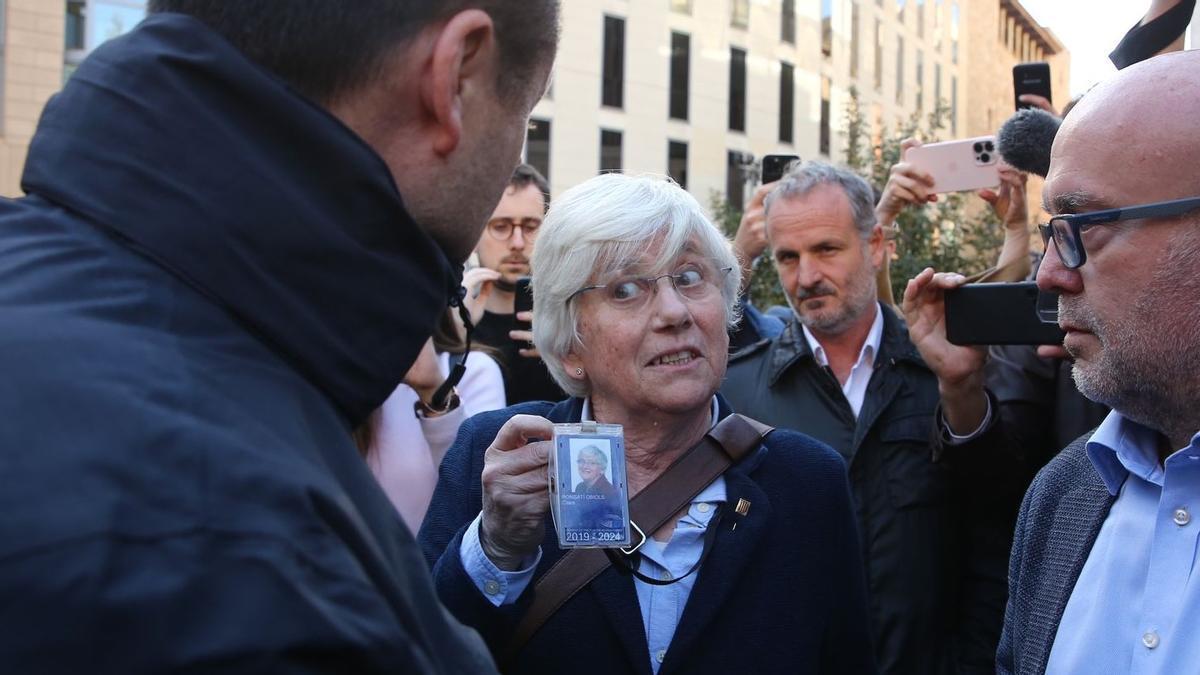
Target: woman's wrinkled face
<point x="661" y="346"/>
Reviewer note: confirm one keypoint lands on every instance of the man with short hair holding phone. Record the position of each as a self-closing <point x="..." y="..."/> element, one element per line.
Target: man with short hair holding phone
<point x="504" y="251"/>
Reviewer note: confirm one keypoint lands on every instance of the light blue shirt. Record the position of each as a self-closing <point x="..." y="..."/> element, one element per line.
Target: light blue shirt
<point x="1134" y="608"/>
<point x="662" y="606"/>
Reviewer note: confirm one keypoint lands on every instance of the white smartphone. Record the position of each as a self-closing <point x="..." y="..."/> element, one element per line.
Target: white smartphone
<point x="967" y="164"/>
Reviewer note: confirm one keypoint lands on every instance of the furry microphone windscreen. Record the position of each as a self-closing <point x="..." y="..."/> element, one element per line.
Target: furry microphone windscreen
<point x="1024" y="141"/>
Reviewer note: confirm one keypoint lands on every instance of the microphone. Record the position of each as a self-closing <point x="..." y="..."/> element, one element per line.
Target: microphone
<point x="1024" y="141"/>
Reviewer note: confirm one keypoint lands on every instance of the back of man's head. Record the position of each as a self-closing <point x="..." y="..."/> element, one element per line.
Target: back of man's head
<point x="326" y="49"/>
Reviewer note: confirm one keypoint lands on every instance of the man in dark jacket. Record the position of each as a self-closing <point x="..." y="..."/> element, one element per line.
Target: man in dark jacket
<point x="212" y="280"/>
<point x="845" y="371"/>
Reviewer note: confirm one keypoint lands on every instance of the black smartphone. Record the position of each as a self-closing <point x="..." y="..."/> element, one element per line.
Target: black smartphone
<point x="1031" y="78"/>
<point x="774" y="166"/>
<point x="523" y="300"/>
<point x="998" y="314"/>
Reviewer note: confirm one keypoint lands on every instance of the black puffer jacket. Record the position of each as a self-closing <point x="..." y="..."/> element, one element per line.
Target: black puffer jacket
<point x="210" y="282"/>
<point x="935" y="534"/>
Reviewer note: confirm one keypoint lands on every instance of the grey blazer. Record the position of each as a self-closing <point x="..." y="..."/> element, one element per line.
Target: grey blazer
<point x="1059" y="520"/>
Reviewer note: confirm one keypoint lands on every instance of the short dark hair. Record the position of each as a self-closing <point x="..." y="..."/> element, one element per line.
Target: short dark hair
<point x="527" y="174"/>
<point x="327" y="48"/>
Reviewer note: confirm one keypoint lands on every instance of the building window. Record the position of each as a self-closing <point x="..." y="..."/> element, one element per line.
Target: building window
<point x="878" y="55"/>
<point x="737" y="89"/>
<point x="854" y="39"/>
<point x="937" y="85"/>
<point x="610" y="150"/>
<point x="681" y="59"/>
<point x="954" y="32"/>
<point x="827" y="27"/>
<point x="920" y="80"/>
<point x="537" y="146"/>
<point x="900" y="69"/>
<point x="681" y="6"/>
<point x="613" y="80"/>
<point x="826" y="123"/>
<point x="921" y="18"/>
<point x="739" y="17"/>
<point x="75" y="30"/>
<point x="677" y="162"/>
<point x="900" y="10"/>
<point x="788" y="22"/>
<point x="937" y="24"/>
<point x="787" y="99"/>
<point x="953" y="105"/>
<point x="735" y="179"/>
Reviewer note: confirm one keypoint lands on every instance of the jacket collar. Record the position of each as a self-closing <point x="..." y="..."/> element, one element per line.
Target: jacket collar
<point x="264" y="203"/>
<point x="791" y="347"/>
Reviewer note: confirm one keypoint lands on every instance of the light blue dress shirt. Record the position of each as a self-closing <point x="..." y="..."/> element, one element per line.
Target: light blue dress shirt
<point x="1135" y="608"/>
<point x="662" y="606"/>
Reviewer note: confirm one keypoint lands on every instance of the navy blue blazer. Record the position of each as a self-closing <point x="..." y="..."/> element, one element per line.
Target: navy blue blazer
<point x="781" y="593"/>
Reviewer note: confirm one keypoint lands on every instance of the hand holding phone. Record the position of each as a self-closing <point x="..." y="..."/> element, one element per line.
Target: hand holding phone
<point x="967" y="164"/>
<point x="1031" y="78"/>
<point x="774" y="166"/>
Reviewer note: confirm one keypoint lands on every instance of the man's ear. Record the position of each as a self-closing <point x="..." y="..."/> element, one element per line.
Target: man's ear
<point x="463" y="63"/>
<point x="876" y="246"/>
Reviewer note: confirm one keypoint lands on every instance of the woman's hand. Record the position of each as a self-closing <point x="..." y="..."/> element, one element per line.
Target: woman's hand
<point x="516" y="494"/>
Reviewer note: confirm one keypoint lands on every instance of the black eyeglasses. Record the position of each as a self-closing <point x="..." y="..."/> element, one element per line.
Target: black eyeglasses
<point x="502" y="228"/>
<point x="1067" y="230"/>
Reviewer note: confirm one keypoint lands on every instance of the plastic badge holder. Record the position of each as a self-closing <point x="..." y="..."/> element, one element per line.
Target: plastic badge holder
<point x="589" y="498"/>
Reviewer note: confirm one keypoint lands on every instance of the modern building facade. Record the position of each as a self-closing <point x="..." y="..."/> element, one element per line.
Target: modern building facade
<point x="696" y="88"/>
<point x="41" y="42"/>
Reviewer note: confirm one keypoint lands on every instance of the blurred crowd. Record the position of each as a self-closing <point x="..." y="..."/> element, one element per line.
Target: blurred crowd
<point x="271" y="406"/>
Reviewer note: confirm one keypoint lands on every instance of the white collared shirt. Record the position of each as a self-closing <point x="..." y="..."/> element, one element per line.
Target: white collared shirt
<point x="855" y="386"/>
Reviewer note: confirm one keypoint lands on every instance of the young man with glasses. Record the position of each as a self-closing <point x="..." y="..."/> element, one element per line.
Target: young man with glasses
<point x="1105" y="543"/>
<point x="504" y="251"/>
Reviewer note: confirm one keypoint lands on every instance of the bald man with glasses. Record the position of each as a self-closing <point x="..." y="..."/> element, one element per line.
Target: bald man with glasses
<point x="1105" y="545"/>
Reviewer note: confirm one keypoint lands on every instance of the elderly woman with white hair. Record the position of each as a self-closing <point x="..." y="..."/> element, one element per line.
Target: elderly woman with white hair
<point x="759" y="571"/>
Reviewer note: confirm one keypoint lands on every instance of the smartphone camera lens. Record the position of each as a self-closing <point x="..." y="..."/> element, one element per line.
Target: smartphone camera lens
<point x="985" y="158"/>
<point x="978" y="147"/>
<point x="989" y="146"/>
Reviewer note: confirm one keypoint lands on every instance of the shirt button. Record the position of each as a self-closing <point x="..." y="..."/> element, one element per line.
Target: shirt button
<point x="491" y="587"/>
<point x="1182" y="517"/>
<point x="662" y="654"/>
<point x="1150" y="640"/>
<point x="703" y="507"/>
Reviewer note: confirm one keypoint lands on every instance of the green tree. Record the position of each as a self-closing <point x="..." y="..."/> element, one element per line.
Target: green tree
<point x="943" y="235"/>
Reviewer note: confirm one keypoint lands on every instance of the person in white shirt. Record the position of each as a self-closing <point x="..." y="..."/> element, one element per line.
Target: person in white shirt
<point x="405" y="439"/>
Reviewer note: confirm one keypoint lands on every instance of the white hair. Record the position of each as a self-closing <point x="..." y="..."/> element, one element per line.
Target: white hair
<point x="601" y="227"/>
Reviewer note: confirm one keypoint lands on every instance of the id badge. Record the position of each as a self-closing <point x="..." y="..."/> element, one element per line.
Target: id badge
<point x="589" y="498"/>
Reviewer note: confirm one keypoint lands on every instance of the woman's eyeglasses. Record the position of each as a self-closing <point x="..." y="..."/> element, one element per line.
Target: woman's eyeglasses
<point x="693" y="282"/>
<point x="1067" y="231"/>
